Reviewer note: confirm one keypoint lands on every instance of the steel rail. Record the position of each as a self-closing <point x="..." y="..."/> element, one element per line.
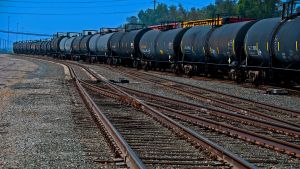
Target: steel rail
<point x="131" y="158"/>
<point x="265" y="124"/>
<point x="178" y="128"/>
<point x="215" y="102"/>
<point x="268" y="142"/>
<point x="267" y="106"/>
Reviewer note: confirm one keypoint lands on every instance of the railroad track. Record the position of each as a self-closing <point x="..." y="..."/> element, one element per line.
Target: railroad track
<point x="292" y="90"/>
<point x="289" y="134"/>
<point x="219" y="99"/>
<point x="175" y="153"/>
<point x="2" y="67"/>
<point x="155" y="144"/>
<point x="263" y="158"/>
<point x="208" y="128"/>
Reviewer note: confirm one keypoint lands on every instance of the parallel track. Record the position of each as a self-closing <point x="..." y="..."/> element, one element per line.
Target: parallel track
<point x="219" y="99"/>
<point x="188" y="126"/>
<point x="212" y="130"/>
<point x="186" y="133"/>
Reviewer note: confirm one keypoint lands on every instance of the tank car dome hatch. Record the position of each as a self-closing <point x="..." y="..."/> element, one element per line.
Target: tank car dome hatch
<point x="226" y="43"/>
<point x="258" y="42"/>
<point x="89" y="32"/>
<point x="193" y="44"/>
<point x="286" y="44"/>
<point x="72" y="34"/>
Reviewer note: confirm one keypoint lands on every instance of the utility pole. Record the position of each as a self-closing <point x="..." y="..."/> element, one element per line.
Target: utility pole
<point x="154" y="4"/>
<point x="8" y="32"/>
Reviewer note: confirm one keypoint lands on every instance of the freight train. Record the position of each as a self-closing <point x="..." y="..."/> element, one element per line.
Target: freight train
<point x="260" y="50"/>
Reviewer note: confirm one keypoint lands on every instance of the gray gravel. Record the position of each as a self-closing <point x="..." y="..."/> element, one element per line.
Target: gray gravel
<point x="248" y="93"/>
<point x="234" y="89"/>
<point x="289" y="102"/>
<point x="44" y="123"/>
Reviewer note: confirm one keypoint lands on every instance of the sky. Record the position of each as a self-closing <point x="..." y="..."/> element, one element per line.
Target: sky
<point x="51" y="16"/>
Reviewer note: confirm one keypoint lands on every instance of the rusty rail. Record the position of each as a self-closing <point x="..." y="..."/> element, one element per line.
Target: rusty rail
<point x="130" y="157"/>
<point x="222" y="104"/>
<point x="258" y="139"/>
<point x="243" y="118"/>
<point x="178" y="128"/>
<point x="288" y="148"/>
<point x="269" y="142"/>
<point x="267" y="106"/>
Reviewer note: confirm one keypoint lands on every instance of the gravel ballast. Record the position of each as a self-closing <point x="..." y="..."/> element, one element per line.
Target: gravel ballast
<point x="288" y="102"/>
<point x="44" y="123"/>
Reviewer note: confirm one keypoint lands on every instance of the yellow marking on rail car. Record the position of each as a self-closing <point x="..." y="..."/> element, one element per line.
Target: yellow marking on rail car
<point x="267" y="46"/>
<point x="245" y="49"/>
<point x="278" y="46"/>
<point x="218" y="50"/>
<point x="233" y="47"/>
<point x="296" y="45"/>
<point x="217" y="21"/>
<point x="161" y="52"/>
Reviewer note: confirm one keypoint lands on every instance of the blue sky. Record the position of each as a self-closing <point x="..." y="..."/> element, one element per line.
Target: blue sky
<point x="50" y="16"/>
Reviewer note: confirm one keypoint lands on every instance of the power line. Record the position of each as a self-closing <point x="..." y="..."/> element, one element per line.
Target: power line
<point x="57" y="14"/>
<point x="72" y="7"/>
<point x="24" y="33"/>
<point x="62" y="2"/>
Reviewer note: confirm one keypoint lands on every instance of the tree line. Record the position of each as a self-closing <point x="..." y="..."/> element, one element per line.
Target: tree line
<point x="242" y="8"/>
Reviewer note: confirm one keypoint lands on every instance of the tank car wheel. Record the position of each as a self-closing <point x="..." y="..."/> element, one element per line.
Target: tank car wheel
<point x="114" y="61"/>
<point x="108" y="61"/>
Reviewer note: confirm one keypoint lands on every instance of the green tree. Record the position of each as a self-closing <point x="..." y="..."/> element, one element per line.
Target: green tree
<point x="173" y="14"/>
<point x="244" y="8"/>
<point x="161" y="13"/>
<point x="182" y="13"/>
<point x="258" y="8"/>
<point x="226" y="7"/>
<point x="132" y="19"/>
